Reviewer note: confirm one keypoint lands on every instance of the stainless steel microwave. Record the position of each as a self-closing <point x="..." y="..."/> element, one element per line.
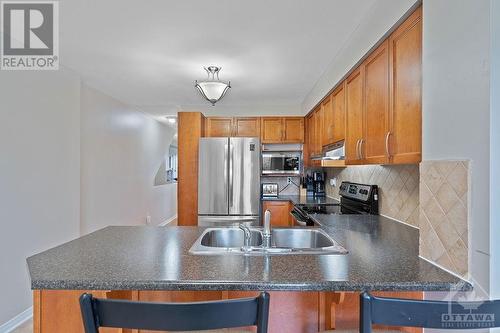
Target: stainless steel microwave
<point x="282" y="163"/>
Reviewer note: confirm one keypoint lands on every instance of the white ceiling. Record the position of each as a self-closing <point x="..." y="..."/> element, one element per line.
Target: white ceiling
<point x="148" y="53"/>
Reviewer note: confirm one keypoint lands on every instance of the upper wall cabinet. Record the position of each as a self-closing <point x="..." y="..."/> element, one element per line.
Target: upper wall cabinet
<point x="246" y="127"/>
<point x="338" y="119"/>
<point x="282" y="129"/>
<point x="309" y="135"/>
<point x="327" y="107"/>
<point x="318" y="131"/>
<point x="372" y="148"/>
<point x="354" y="116"/>
<point x="218" y="126"/>
<point x="404" y="141"/>
<point x="378" y="108"/>
<point x="293" y="130"/>
<point x="368" y="109"/>
<point x="271" y="130"/>
<point x="314" y="130"/>
<point x="232" y="126"/>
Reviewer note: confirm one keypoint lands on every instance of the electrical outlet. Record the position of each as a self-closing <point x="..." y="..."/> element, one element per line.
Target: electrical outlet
<point x="333" y="182"/>
<point x="288" y="180"/>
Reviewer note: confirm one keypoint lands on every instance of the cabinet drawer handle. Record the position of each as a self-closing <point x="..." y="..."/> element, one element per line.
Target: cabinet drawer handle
<point x="387" y="150"/>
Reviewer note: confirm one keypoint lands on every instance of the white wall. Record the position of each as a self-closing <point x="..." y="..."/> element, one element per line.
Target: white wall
<point x="39" y="174"/>
<point x="495" y="150"/>
<point x="58" y="163"/>
<point x="375" y="23"/>
<point x="121" y="151"/>
<point x="456" y="109"/>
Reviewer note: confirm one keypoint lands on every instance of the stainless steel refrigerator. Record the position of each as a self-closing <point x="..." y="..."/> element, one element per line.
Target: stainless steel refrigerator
<point x="229" y="181"/>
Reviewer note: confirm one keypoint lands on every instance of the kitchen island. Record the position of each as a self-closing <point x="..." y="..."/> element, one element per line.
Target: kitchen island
<point x="154" y="264"/>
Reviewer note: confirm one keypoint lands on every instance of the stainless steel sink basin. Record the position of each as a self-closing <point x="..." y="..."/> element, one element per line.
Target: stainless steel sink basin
<point x="301" y="239"/>
<point x="284" y="241"/>
<point x="229" y="237"/>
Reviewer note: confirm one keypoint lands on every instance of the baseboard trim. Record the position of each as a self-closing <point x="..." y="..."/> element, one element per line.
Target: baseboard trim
<point x="164" y="223"/>
<point x="17" y="321"/>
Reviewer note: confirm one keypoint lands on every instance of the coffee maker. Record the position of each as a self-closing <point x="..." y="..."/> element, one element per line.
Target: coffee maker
<point x="309" y="185"/>
<point x="318" y="180"/>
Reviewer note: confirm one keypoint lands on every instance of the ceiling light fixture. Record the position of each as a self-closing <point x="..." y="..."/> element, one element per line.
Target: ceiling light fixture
<point x="213" y="89"/>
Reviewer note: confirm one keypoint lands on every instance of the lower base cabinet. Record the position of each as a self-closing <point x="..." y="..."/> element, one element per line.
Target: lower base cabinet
<point x="280" y="213"/>
<point x="58" y="311"/>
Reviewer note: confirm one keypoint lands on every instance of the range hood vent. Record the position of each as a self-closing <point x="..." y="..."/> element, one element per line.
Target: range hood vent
<point x="331" y="152"/>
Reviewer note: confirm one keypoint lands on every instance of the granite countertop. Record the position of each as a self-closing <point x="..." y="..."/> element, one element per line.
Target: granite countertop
<point x="303" y="200"/>
<point x="383" y="255"/>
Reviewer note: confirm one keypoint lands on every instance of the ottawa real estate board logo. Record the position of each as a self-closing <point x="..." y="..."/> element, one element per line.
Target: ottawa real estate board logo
<point x="30" y="35"/>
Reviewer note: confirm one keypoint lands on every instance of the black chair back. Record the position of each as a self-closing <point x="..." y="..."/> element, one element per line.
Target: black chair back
<point x="174" y="316"/>
<point x="427" y="314"/>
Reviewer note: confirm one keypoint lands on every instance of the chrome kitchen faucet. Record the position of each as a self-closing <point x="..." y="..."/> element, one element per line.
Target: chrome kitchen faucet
<point x="266" y="234"/>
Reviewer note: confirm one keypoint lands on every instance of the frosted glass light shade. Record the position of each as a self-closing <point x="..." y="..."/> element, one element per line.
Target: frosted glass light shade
<point x="213" y="91"/>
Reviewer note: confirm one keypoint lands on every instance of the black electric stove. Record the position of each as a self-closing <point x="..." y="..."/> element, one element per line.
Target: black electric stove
<point x="355" y="198"/>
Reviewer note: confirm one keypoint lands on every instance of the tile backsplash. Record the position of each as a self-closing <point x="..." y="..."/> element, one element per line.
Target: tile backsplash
<point x="283" y="189"/>
<point x="433" y="197"/>
<point x="444" y="229"/>
<point x="398" y="187"/>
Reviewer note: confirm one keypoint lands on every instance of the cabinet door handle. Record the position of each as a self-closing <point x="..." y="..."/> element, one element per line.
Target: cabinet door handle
<point x="387" y="150"/>
<point x="361" y="141"/>
<point x="357" y="149"/>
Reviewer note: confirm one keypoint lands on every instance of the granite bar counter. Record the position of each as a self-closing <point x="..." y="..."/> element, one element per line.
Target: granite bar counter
<point x="383" y="255"/>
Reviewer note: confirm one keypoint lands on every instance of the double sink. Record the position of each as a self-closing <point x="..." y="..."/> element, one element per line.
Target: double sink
<point x="284" y="241"/>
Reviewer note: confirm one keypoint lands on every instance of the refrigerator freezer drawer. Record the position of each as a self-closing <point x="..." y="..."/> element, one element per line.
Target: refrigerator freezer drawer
<point x="227" y="221"/>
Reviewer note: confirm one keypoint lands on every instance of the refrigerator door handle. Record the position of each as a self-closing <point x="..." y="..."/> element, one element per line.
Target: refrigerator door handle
<point x="226" y="169"/>
<point x="231" y="162"/>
